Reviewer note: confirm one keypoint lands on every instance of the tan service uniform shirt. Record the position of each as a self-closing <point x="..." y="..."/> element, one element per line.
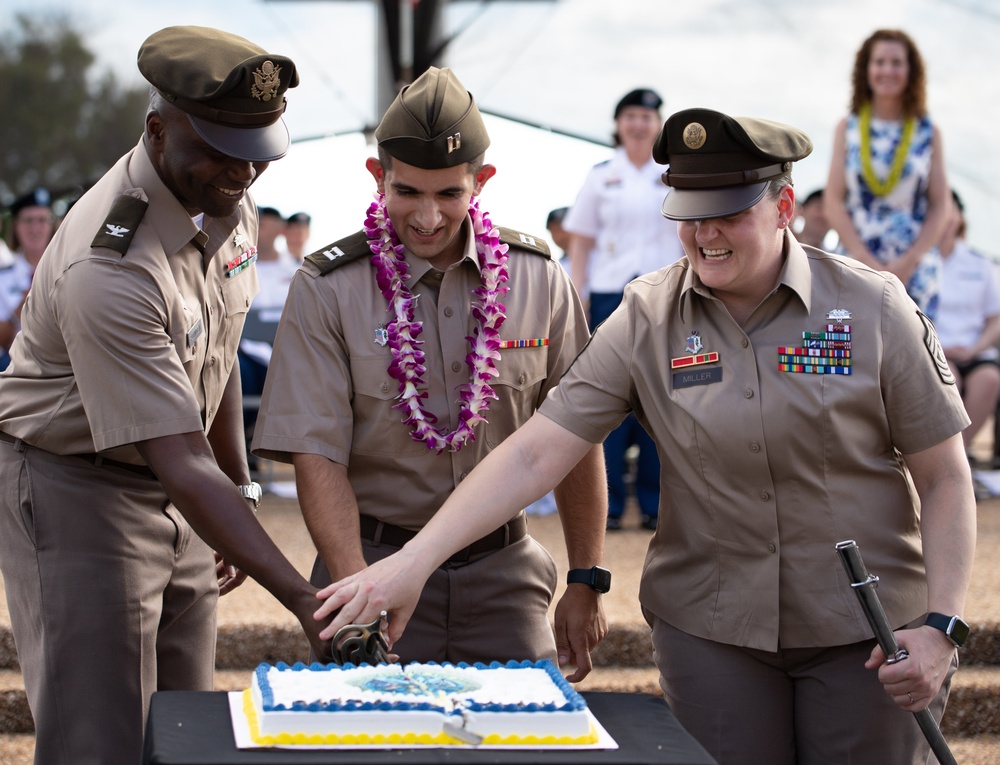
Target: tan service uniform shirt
<point x="765" y="471"/>
<point x="328" y="389"/>
<point x="118" y="348"/>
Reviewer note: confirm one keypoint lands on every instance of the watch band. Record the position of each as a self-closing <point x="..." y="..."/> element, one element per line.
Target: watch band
<point x="597" y="578"/>
<point x="954" y="627"/>
<point x="252" y="492"/>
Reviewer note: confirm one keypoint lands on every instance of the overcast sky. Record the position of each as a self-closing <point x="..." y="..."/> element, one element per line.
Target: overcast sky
<point x="566" y="63"/>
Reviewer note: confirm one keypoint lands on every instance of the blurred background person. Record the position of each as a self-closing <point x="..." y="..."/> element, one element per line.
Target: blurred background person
<point x="32" y="226"/>
<point x="274" y="272"/>
<point x="811" y="226"/>
<point x="559" y="235"/>
<point x="968" y="321"/>
<point x="616" y="234"/>
<point x="887" y="192"/>
<point x="297" y="236"/>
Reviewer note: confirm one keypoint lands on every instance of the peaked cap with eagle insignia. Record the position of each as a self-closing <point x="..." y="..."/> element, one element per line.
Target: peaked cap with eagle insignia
<point x="357" y="245"/>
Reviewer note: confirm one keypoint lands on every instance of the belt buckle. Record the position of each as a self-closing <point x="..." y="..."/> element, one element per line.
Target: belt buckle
<point x="361" y="643"/>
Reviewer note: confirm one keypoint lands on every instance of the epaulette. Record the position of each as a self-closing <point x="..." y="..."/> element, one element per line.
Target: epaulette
<point x="119" y="227"/>
<point x="527" y="242"/>
<point x="340" y="252"/>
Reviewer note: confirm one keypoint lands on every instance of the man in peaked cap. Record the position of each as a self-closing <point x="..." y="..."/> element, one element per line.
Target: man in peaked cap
<point x="788" y="392"/>
<point x="383" y="429"/>
<point x="122" y="458"/>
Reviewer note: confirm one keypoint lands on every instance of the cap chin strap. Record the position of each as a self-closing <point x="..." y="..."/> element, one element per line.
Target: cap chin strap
<point x="223" y="117"/>
<point x="720" y="180"/>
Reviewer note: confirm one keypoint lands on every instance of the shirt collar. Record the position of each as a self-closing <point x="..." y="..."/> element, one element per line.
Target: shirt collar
<point x="418" y="267"/>
<point x="795" y="275"/>
<point x="173" y="224"/>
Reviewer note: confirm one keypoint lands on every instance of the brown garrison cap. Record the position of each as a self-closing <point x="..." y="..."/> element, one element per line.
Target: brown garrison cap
<point x="433" y="123"/>
<point x="720" y="165"/>
<point x="232" y="90"/>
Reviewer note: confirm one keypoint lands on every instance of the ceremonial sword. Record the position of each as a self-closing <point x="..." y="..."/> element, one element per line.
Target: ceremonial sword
<point x="864" y="585"/>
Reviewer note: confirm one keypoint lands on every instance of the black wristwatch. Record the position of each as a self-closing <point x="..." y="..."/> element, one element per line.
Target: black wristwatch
<point x="597" y="578"/>
<point x="252" y="492"/>
<point x="952" y="626"/>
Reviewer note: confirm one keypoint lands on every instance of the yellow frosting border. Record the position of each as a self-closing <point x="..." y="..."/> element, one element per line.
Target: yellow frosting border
<point x="301" y="739"/>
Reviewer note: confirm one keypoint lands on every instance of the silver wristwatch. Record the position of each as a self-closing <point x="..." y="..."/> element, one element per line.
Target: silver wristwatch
<point x="251" y="491"/>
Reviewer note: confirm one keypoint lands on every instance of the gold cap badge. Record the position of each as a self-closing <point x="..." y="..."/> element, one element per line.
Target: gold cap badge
<point x="694" y="135"/>
<point x="266" y="81"/>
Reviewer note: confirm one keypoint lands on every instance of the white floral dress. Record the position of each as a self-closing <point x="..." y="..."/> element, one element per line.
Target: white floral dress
<point x="889" y="225"/>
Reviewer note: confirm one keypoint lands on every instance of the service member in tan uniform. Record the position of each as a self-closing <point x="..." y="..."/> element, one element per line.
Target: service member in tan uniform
<point x="379" y="398"/>
<point x="799" y="400"/>
<point x="122" y="460"/>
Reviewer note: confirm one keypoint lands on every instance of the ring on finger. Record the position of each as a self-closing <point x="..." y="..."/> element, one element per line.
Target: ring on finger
<point x="910" y="697"/>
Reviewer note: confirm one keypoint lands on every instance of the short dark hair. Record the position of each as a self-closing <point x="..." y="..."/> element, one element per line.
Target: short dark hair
<point x="475" y="164"/>
<point x="556" y="216"/>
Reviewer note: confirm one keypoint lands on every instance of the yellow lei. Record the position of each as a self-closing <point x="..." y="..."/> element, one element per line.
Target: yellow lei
<point x="879" y="187"/>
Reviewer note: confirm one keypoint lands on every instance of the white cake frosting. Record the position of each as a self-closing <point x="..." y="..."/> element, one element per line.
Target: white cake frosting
<point x="441" y="704"/>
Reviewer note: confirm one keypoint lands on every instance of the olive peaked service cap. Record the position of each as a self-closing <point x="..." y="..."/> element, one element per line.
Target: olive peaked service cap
<point x="720" y="165"/>
<point x="433" y="123"/>
<point x="232" y="90"/>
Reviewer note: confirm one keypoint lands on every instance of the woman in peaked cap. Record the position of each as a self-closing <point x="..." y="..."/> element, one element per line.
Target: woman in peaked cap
<point x="797" y="400"/>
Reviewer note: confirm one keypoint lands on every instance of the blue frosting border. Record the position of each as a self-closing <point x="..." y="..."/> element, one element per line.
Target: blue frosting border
<point x="574" y="701"/>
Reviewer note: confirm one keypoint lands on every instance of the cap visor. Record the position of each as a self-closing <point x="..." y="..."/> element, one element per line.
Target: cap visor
<point x="698" y="204"/>
<point x="262" y="144"/>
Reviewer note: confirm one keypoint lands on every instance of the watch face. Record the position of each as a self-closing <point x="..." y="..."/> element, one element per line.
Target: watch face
<point x="959" y="632"/>
<point x="602" y="579"/>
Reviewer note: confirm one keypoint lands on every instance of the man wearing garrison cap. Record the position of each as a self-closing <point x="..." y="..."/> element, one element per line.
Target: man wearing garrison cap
<point x="416" y="345"/>
<point x="122" y="459"/>
<point x="799" y="399"/>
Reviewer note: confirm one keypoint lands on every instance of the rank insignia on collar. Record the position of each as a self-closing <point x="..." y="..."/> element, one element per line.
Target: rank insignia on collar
<point x="381" y="335"/>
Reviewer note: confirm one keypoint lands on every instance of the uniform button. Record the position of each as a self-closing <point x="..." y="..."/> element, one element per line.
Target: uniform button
<point x="211" y="412"/>
<point x="210" y="310"/>
<point x="439" y="276"/>
<point x="771" y="547"/>
<point x="463" y="476"/>
<point x="764" y="496"/>
<point x="744" y="342"/>
<point x="211" y="361"/>
<point x="522" y="378"/>
<point x="456" y="366"/>
<point x="448" y="312"/>
<point x="754" y="447"/>
<point x="385" y="387"/>
<point x="248" y="302"/>
<point x="748" y="393"/>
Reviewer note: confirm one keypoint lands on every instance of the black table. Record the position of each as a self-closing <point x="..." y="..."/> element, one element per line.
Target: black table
<point x="194" y="728"/>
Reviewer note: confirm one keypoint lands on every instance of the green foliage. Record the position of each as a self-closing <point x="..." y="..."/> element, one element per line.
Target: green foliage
<point x="62" y="125"/>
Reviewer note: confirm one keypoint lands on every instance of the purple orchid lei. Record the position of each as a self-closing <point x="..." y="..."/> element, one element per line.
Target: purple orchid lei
<point x="407" y="363"/>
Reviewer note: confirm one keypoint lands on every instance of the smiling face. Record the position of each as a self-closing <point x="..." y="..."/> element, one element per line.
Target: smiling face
<point x="739" y="257"/>
<point x="203" y="179"/>
<point x="637" y="127"/>
<point x="888" y="69"/>
<point x="428" y="207"/>
<point x="32" y="230"/>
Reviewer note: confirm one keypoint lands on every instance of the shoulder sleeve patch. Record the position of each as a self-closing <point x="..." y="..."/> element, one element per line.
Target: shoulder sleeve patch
<point x="934" y="348"/>
<point x="119" y="227"/>
<point x="343" y="251"/>
<point x="533" y="244"/>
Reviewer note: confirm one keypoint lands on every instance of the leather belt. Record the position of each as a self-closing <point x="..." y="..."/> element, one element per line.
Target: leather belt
<point x="378" y="532"/>
<point x="97" y="460"/>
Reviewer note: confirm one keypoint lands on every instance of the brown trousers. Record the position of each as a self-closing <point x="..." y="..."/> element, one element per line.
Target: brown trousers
<point x="494" y="608"/>
<point x="111" y="595"/>
<point x="798" y="706"/>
